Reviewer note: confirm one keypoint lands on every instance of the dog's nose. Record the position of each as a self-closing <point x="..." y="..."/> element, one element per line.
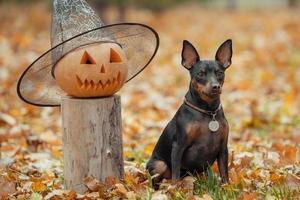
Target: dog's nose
<point x="216" y="87"/>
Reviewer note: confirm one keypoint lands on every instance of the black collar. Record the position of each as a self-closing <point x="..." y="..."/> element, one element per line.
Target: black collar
<point x="208" y="112"/>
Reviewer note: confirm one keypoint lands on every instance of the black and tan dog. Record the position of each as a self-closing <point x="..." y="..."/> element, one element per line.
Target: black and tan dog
<point x="198" y="133"/>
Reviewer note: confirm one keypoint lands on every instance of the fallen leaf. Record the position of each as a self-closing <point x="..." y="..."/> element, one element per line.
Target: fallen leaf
<point x="131" y="195"/>
<point x="120" y="189"/>
<point x="188" y="183"/>
<point x="5" y="118"/>
<point x="92" y="184"/>
<point x="292" y="181"/>
<point x="111" y="181"/>
<point x="36" y="196"/>
<point x="58" y="193"/>
<point x="206" y="197"/>
<point x="159" y="196"/>
<point x="249" y="196"/>
<point x="39" y="187"/>
<point x="6" y="187"/>
<point x="72" y="195"/>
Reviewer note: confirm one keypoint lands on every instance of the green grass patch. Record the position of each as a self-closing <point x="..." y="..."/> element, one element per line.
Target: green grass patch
<point x="211" y="185"/>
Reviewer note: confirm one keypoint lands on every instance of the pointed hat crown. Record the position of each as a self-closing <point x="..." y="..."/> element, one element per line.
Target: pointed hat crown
<point x="69" y="19"/>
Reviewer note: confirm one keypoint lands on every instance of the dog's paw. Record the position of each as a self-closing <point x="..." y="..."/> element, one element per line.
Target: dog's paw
<point x="175" y="184"/>
<point x="225" y="185"/>
<point x="171" y="188"/>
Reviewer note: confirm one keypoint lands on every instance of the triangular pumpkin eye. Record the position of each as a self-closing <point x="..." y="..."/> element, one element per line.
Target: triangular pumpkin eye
<point x="87" y="59"/>
<point x="114" y="56"/>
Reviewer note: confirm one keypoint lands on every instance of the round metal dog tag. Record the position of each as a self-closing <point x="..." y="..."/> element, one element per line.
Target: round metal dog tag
<point x="213" y="125"/>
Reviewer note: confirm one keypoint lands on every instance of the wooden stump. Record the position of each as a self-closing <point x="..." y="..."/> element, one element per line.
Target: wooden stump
<point x="92" y="139"/>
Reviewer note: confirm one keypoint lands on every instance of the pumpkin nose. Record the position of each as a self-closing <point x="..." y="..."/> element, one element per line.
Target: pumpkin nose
<point x="102" y="71"/>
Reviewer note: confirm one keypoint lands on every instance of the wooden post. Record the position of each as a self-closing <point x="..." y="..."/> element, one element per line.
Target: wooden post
<point x="92" y="139"/>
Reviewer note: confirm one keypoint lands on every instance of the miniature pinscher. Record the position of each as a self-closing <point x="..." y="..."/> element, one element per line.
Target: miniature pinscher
<point x="198" y="133"/>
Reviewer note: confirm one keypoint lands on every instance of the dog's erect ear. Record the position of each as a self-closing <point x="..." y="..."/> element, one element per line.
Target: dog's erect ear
<point x="224" y="54"/>
<point x="189" y="55"/>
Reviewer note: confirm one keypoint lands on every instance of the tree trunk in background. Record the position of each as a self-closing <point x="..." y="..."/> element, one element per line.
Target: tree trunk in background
<point x="122" y="12"/>
<point x="292" y="3"/>
<point x="101" y="7"/>
<point x="231" y="4"/>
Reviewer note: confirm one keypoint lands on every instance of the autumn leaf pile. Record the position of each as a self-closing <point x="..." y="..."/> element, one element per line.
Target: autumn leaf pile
<point x="261" y="98"/>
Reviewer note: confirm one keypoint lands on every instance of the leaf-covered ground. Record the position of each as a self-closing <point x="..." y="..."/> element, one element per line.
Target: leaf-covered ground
<point x="261" y="99"/>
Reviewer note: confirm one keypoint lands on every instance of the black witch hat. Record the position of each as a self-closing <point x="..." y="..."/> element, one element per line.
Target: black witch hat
<point x="75" y="24"/>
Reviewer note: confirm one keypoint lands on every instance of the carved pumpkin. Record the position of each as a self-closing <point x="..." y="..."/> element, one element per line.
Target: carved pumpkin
<point x="92" y="71"/>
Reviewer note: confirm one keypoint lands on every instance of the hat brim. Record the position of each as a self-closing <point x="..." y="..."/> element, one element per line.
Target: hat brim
<point x="38" y="87"/>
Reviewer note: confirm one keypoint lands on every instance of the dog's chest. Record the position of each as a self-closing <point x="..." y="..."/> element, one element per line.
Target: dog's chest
<point x="198" y="132"/>
<point x="204" y="145"/>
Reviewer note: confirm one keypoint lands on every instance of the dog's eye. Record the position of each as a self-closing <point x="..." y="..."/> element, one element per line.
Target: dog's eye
<point x="202" y="73"/>
<point x="220" y="74"/>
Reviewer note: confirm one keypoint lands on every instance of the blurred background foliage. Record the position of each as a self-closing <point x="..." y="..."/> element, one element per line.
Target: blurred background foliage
<point x="161" y="5"/>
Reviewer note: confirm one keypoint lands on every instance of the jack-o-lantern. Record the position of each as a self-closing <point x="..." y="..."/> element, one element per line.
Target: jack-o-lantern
<point x="92" y="71"/>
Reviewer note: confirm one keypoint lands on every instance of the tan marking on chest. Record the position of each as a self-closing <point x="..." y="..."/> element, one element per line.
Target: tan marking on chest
<point x="193" y="131"/>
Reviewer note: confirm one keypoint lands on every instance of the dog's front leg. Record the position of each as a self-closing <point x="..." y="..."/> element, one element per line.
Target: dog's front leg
<point x="223" y="163"/>
<point x="177" y="151"/>
<point x="178" y="148"/>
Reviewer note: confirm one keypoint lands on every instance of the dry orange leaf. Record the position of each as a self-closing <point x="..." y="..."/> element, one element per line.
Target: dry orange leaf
<point x="110" y="181"/>
<point x="71" y="196"/>
<point x="39" y="187"/>
<point x="275" y="178"/>
<point x="292" y="181"/>
<point x="249" y="196"/>
<point x="120" y="189"/>
<point x="92" y="184"/>
<point x="6" y="187"/>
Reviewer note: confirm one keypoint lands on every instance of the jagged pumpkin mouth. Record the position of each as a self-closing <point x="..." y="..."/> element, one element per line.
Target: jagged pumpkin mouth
<point x="89" y="84"/>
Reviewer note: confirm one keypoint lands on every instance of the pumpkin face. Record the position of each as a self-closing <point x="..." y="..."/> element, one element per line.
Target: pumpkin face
<point x="92" y="71"/>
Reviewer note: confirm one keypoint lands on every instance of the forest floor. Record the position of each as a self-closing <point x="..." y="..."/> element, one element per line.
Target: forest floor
<point x="261" y="99"/>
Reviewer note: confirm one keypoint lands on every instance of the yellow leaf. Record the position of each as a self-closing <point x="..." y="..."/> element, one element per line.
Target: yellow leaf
<point x="206" y="197"/>
<point x="120" y="189"/>
<point x="39" y="187"/>
<point x="249" y="196"/>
